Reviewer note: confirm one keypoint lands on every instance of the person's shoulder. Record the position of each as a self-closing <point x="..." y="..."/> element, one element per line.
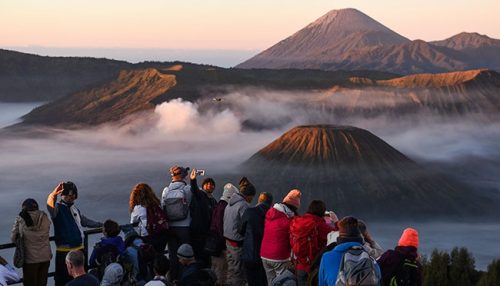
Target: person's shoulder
<point x="84" y="280"/>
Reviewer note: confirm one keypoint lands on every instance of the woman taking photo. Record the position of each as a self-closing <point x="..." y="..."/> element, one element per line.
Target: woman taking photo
<point x="32" y="226"/>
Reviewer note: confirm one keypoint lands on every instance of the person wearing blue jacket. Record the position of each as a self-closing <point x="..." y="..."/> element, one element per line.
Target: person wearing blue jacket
<point x="111" y="242"/>
<point x="68" y="227"/>
<point x="349" y="236"/>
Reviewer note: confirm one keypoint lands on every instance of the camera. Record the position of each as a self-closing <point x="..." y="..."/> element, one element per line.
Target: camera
<point x="69" y="188"/>
<point x="200" y="172"/>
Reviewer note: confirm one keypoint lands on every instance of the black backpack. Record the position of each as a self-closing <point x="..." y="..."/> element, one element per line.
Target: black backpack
<point x="105" y="255"/>
<point x="406" y="274"/>
<point x="146" y="255"/>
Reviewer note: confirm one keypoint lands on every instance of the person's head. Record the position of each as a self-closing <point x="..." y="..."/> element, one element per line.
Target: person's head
<point x="409" y="238"/>
<point x="75" y="263"/>
<point x="185" y="254"/>
<point x="317" y="208"/>
<point x="113" y="275"/>
<point x="265" y="198"/>
<point x="349" y="230"/>
<point x="247" y="189"/>
<point x="69" y="192"/>
<point x="110" y="228"/>
<point x="29" y="205"/>
<point x="142" y="194"/>
<point x="229" y="191"/>
<point x="208" y="185"/>
<point x="161" y="265"/>
<point x="178" y="173"/>
<point x="292" y="200"/>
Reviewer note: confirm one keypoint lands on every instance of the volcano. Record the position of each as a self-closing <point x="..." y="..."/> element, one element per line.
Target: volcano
<point x="348" y="39"/>
<point x="357" y="173"/>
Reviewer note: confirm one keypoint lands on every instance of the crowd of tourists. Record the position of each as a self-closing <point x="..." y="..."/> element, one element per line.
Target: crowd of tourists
<point x="188" y="237"/>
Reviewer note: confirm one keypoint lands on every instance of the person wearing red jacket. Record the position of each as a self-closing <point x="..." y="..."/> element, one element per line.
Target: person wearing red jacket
<point x="308" y="237"/>
<point x="275" y="249"/>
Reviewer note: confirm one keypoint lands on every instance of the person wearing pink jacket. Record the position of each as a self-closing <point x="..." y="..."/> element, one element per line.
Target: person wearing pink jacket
<point x="275" y="250"/>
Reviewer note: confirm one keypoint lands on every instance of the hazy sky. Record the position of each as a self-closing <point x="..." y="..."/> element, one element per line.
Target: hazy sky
<point x="222" y="24"/>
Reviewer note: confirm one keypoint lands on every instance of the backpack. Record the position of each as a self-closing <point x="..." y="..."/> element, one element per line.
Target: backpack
<point x="156" y="220"/>
<point x="406" y="275"/>
<point x="175" y="205"/>
<point x="105" y="255"/>
<point x="304" y="239"/>
<point x="146" y="255"/>
<point x="357" y="268"/>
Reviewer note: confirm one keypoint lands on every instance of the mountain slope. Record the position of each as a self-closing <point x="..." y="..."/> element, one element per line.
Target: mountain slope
<point x="26" y="77"/>
<point x="130" y="92"/>
<point x="355" y="172"/>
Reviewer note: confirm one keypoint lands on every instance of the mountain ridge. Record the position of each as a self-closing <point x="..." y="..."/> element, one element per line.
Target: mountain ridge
<point x="349" y="39"/>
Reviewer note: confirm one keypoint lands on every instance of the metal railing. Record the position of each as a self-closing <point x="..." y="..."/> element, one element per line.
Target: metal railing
<point x="86" y="233"/>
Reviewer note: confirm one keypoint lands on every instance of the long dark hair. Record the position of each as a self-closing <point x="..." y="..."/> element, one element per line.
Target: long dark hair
<point x="27" y="206"/>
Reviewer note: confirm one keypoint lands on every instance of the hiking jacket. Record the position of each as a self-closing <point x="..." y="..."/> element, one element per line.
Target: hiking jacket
<point x="391" y="260"/>
<point x="323" y="229"/>
<point x="217" y="221"/>
<point x="140" y="215"/>
<point x="276" y="241"/>
<point x="190" y="275"/>
<point x="252" y="228"/>
<point x="36" y="237"/>
<point x="116" y="242"/>
<point x="68" y="223"/>
<point x="201" y="208"/>
<point x="186" y="189"/>
<point x="232" y="217"/>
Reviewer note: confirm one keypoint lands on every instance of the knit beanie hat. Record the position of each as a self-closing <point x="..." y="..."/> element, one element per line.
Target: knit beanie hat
<point x="348" y="227"/>
<point x="409" y="238"/>
<point x="293" y="198"/>
<point x="229" y="190"/>
<point x="265" y="198"/>
<point x="113" y="275"/>
<point x="185" y="251"/>
<point x="247" y="188"/>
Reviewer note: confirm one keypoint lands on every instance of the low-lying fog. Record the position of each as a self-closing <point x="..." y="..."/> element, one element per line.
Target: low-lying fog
<point x="105" y="162"/>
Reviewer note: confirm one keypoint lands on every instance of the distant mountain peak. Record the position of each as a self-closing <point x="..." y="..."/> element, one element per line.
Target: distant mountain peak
<point x="466" y="40"/>
<point x="348" y="20"/>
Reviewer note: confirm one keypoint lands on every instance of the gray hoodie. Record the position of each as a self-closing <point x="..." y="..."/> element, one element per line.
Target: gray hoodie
<point x="232" y="216"/>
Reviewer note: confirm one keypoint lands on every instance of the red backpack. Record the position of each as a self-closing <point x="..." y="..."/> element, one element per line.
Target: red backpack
<point x="156" y="220"/>
<point x="304" y="239"/>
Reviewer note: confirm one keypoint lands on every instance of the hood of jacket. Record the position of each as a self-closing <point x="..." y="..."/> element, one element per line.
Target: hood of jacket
<point x="236" y="198"/>
<point x="281" y="209"/>
<point x="36" y="216"/>
<point x="408" y="251"/>
<point x="113" y="275"/>
<point x="177" y="185"/>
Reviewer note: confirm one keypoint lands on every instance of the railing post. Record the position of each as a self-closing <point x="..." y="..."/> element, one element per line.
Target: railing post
<point x="86" y="249"/>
